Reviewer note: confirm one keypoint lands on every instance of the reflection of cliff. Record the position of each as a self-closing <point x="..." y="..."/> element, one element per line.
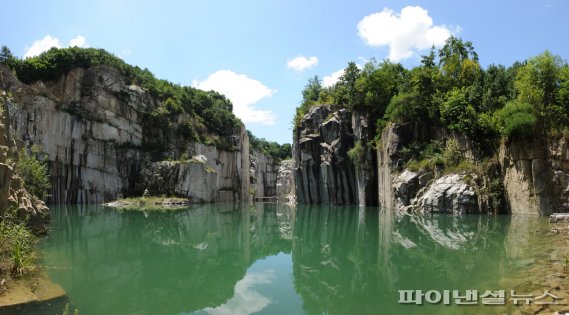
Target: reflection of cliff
<point x="208" y="249"/>
<point x="333" y="265"/>
<point x="337" y="271"/>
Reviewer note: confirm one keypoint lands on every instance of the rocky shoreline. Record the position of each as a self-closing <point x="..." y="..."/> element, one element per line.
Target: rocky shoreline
<point x="21" y="292"/>
<point x="550" y="271"/>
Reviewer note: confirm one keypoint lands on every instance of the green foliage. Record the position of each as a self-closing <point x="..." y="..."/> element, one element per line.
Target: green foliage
<point x="404" y="107"/>
<point x="357" y="153"/>
<point x="516" y="119"/>
<point x="458" y="114"/>
<point x="32" y="168"/>
<point x="16" y="247"/>
<point x="498" y="87"/>
<point x="276" y="151"/>
<point x="345" y="92"/>
<point x="7" y="58"/>
<point x="459" y="63"/>
<point x="495" y="192"/>
<point x="310" y="96"/>
<point x="214" y="108"/>
<point x="375" y="87"/>
<point x="421" y="156"/>
<point x="542" y="82"/>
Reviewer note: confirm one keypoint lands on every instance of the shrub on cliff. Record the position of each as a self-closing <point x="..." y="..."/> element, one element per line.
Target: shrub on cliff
<point x="516" y="119"/>
<point x="32" y="167"/>
<point x="357" y="154"/>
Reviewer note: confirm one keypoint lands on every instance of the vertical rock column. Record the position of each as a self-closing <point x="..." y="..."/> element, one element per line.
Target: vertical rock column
<point x="244" y="171"/>
<point x="366" y="177"/>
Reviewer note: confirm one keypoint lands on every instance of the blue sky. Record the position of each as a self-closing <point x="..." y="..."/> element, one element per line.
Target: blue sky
<point x="247" y="49"/>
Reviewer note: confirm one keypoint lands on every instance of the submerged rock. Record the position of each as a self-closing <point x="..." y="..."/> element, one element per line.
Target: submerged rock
<point x="559" y="217"/>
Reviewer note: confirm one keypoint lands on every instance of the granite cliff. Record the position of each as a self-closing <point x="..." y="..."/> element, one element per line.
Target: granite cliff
<point x="521" y="176"/>
<point x="102" y="142"/>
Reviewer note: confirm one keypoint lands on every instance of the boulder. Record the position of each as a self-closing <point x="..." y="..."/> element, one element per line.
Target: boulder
<point x="405" y="187"/>
<point x="448" y="194"/>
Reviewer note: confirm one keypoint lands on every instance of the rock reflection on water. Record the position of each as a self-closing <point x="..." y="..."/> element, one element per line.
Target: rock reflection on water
<point x="334" y="260"/>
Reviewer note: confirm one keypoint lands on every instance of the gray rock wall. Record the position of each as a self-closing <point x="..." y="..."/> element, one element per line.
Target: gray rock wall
<point x="264" y="172"/>
<point x="91" y="123"/>
<point x="324" y="174"/>
<point x="536" y="175"/>
<point x="285" y="181"/>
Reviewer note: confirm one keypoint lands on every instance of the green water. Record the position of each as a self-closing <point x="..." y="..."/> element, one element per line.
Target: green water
<point x="275" y="259"/>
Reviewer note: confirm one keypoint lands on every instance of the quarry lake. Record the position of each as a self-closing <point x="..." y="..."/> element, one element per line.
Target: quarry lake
<point x="279" y="259"/>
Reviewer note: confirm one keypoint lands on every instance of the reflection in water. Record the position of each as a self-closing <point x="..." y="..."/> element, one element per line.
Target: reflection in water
<point x="271" y="259"/>
<point x="246" y="300"/>
<point x="159" y="263"/>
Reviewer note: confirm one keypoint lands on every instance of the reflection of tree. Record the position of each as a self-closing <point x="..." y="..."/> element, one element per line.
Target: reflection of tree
<point x="349" y="262"/>
<point x="157" y="263"/>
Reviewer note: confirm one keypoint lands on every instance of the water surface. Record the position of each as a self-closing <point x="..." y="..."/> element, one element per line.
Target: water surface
<point x="276" y="259"/>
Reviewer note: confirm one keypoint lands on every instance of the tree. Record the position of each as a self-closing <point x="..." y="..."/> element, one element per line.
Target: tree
<point x="459" y="63"/>
<point x="497" y="89"/>
<point x="310" y="95"/>
<point x="376" y="85"/>
<point x="312" y="90"/>
<point x="458" y="114"/>
<point x="537" y="83"/>
<point x="7" y="58"/>
<point x="345" y="92"/>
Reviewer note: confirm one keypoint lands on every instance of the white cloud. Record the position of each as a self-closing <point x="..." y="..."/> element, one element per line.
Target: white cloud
<point x="48" y="42"/>
<point x="246" y="300"/>
<point x="42" y="45"/>
<point x="78" y="41"/>
<point x="404" y="32"/>
<point x="331" y="79"/>
<point x="243" y="93"/>
<point x="302" y="63"/>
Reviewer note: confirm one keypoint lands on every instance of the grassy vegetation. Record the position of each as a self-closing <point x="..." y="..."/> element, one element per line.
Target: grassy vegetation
<point x="17" y="248"/>
<point x="150" y="203"/>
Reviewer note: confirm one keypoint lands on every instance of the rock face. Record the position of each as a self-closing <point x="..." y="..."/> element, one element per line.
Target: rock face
<point x="324" y="173"/>
<point x="12" y="191"/>
<point x="285" y="181"/>
<point x="405" y="187"/>
<point x="95" y="130"/>
<point x="264" y="171"/>
<point x="448" y="194"/>
<point x="426" y="191"/>
<point x="419" y="193"/>
<point x="397" y="191"/>
<point x="536" y="175"/>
